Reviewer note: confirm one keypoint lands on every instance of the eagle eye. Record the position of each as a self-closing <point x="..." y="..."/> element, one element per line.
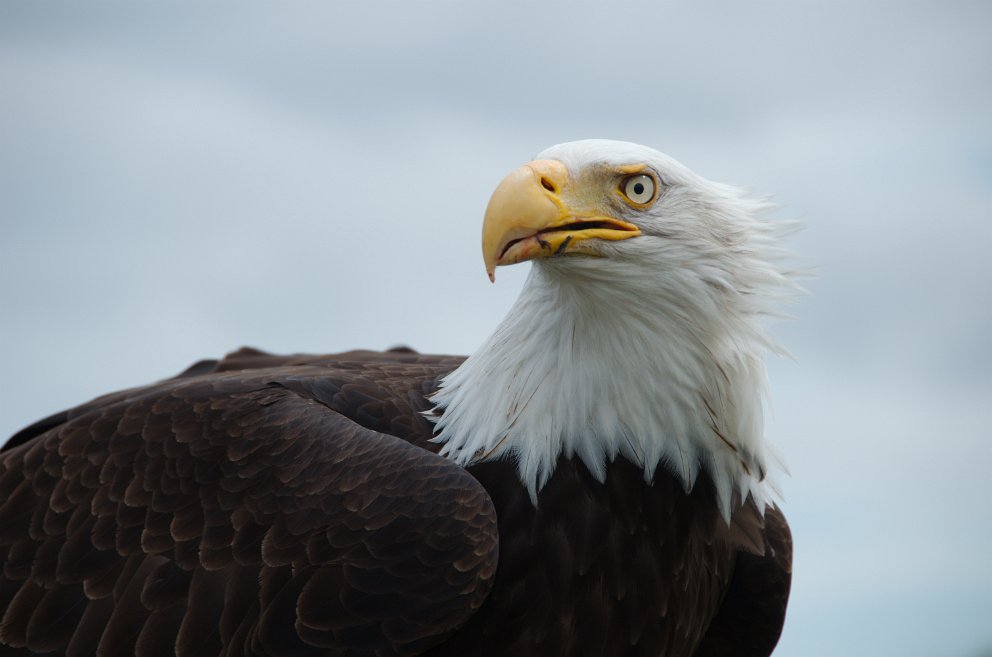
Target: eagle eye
<point x="639" y="189"/>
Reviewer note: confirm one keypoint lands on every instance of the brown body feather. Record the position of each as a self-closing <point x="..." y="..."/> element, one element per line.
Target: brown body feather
<point x="293" y="505"/>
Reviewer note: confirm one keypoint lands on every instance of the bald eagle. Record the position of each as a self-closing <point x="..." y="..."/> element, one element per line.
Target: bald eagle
<point x="592" y="481"/>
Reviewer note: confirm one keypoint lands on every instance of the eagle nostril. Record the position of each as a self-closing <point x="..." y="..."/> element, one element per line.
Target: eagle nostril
<point x="547" y="184"/>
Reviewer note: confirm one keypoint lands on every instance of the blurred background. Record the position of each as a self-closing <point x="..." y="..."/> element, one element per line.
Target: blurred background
<point x="177" y="181"/>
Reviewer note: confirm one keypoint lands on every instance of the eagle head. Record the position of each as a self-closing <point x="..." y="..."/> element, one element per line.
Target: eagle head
<point x="639" y="332"/>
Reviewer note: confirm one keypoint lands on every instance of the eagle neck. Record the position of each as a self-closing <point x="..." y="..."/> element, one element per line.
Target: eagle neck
<point x="594" y="362"/>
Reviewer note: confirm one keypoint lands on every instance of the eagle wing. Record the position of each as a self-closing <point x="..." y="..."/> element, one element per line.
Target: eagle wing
<point x="752" y="613"/>
<point x="244" y="507"/>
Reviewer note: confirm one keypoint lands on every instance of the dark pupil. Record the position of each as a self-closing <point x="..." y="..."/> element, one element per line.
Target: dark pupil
<point x="638" y="188"/>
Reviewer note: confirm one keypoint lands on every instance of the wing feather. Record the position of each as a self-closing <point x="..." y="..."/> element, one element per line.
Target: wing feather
<point x="237" y="506"/>
<point x="750" y="619"/>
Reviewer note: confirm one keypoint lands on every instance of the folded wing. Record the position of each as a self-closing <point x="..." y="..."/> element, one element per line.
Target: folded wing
<point x="236" y="513"/>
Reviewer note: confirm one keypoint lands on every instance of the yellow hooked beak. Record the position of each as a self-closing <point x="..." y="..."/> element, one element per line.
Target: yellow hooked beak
<point x="535" y="213"/>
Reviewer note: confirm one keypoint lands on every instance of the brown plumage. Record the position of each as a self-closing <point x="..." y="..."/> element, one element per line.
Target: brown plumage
<point x="268" y="505"/>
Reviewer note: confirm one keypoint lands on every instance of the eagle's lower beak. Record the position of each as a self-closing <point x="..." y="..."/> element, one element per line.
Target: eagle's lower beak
<point x="529" y="217"/>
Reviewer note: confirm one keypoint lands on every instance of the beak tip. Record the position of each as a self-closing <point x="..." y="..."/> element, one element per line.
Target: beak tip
<point x="492" y="276"/>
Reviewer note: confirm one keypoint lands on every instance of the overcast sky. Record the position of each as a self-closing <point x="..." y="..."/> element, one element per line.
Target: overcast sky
<point x="177" y="181"/>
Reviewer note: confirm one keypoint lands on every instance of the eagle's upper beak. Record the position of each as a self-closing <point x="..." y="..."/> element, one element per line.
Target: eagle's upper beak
<point x="536" y="212"/>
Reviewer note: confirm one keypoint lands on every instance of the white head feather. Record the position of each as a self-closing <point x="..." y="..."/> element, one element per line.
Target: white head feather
<point x="654" y="353"/>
